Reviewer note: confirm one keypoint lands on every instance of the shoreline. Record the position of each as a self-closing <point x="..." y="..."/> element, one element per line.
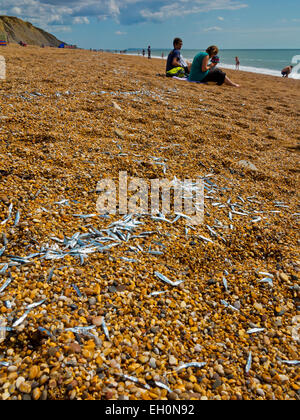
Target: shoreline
<point x="247" y="69"/>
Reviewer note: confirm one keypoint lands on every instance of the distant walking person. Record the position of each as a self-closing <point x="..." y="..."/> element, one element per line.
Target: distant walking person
<point x="237" y="63"/>
<point x="149" y="52"/>
<point x="144" y="52"/>
<point x="286" y="71"/>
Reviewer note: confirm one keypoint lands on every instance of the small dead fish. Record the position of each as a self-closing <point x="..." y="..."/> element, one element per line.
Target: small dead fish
<point x="10" y="209"/>
<point x="135" y="380"/>
<point x="77" y="290"/>
<point x="166" y="280"/>
<point x="239" y="213"/>
<point x="255" y="330"/>
<point x="4" y="286"/>
<point x="105" y="330"/>
<point x="62" y="203"/>
<point x="130" y="260"/>
<point x="5" y="364"/>
<point x="17" y="219"/>
<point x="4" y="269"/>
<point x="193" y="364"/>
<point x="249" y="363"/>
<point x="50" y="275"/>
<point x="21" y="320"/>
<point x="262" y="273"/>
<point x="155" y="252"/>
<point x="7" y="304"/>
<point x="225" y="284"/>
<point x="161" y="385"/>
<point x="35" y="305"/>
<point x="258" y="219"/>
<point x="229" y="306"/>
<point x="291" y="362"/>
<point x="157" y="293"/>
<point x="212" y="231"/>
<point x="205" y="239"/>
<point x="80" y="330"/>
<point x="267" y="280"/>
<point x="2" y="250"/>
<point x="85" y="216"/>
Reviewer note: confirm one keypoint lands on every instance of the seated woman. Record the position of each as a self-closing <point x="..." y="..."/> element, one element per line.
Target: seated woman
<point x="203" y="72"/>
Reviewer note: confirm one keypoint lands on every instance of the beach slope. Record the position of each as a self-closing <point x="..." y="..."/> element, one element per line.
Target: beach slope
<point x="71" y="118"/>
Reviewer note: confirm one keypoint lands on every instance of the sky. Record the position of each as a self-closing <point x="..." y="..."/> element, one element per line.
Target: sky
<point x="123" y="24"/>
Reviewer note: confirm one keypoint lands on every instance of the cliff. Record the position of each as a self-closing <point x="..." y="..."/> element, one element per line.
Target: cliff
<point x="18" y="30"/>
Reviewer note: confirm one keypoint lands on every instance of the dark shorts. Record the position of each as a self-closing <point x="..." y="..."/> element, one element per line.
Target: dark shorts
<point x="215" y="75"/>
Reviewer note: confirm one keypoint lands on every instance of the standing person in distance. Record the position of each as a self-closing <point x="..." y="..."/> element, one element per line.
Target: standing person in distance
<point x="237" y="63"/>
<point x="149" y="52"/>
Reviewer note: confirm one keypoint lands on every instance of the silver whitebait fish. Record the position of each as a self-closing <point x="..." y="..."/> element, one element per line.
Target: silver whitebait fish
<point x="229" y="306"/>
<point x="193" y="364"/>
<point x="135" y="380"/>
<point x="35" y="305"/>
<point x="161" y="385"/>
<point x="166" y="280"/>
<point x="157" y="293"/>
<point x="255" y="330"/>
<point x="21" y="320"/>
<point x="225" y="284"/>
<point x="17" y="219"/>
<point x="249" y="363"/>
<point x="267" y="280"/>
<point x="105" y="330"/>
<point x="4" y="286"/>
<point x="205" y="239"/>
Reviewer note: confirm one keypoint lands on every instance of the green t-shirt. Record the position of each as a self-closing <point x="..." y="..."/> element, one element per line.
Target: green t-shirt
<point x="196" y="73"/>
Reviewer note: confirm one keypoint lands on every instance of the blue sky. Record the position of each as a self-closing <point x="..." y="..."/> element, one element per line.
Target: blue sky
<point x="122" y="24"/>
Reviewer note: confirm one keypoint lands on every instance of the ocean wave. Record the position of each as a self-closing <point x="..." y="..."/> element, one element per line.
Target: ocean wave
<point x="249" y="69"/>
<point x="259" y="70"/>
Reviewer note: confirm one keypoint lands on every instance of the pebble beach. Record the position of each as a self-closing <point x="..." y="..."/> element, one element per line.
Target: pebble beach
<point x="86" y="308"/>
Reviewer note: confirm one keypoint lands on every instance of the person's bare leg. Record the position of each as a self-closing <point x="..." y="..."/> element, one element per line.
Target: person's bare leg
<point x="230" y="83"/>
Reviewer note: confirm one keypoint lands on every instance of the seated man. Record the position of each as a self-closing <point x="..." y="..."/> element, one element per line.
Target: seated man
<point x="176" y="65"/>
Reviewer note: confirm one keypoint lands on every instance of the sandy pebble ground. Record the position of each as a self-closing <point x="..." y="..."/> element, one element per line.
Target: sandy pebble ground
<point x="70" y="118"/>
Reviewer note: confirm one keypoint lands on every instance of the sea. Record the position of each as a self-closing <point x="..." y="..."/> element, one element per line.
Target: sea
<point x="269" y="62"/>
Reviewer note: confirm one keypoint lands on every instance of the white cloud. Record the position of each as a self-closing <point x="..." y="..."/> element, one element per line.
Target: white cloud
<point x="81" y="20"/>
<point x="212" y="29"/>
<point x="16" y="10"/>
<point x="124" y="11"/>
